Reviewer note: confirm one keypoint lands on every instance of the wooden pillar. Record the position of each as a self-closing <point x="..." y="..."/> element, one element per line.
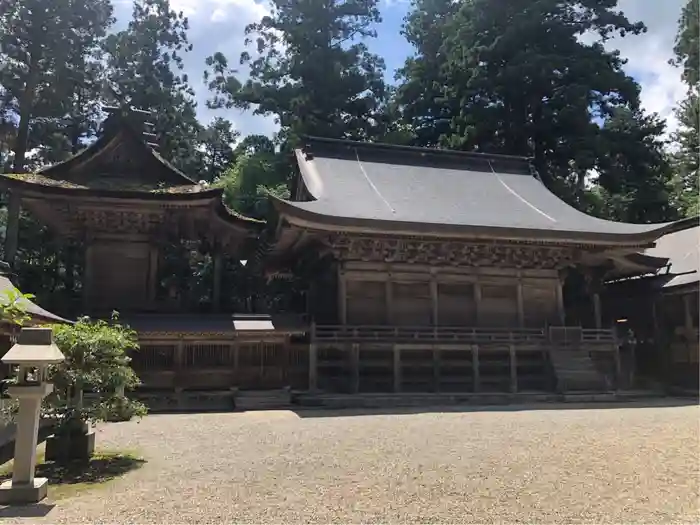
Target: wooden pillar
<point x="521" y="306"/>
<point x="688" y="326"/>
<point x="12" y="227"/>
<point x="688" y="314"/>
<point x="313" y="360"/>
<point x="152" y="275"/>
<point x="436" y="369"/>
<point x="560" y="303"/>
<point x="475" y="367"/>
<point x="179" y="359"/>
<point x="216" y="293"/>
<point x="397" y="368"/>
<point x="477" y="301"/>
<point x="434" y="298"/>
<point x="597" y="311"/>
<point x="355" y="368"/>
<point x="513" y="369"/>
<point x="88" y="283"/>
<point x="342" y="297"/>
<point x="618" y="367"/>
<point x="389" y="299"/>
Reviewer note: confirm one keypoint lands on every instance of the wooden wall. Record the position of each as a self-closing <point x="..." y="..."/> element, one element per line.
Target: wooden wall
<point x="412" y="295"/>
<point x="119" y="275"/>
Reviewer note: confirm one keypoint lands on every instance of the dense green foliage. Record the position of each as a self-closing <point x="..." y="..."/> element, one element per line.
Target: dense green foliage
<point x="505" y="76"/>
<point x="96" y="361"/>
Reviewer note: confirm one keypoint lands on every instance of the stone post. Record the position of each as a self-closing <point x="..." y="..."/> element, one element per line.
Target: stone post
<point x="33" y="353"/>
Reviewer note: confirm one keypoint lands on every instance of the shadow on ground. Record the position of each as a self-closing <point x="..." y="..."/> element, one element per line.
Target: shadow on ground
<point x="35" y="510"/>
<point x="72" y="478"/>
<point x="310" y="412"/>
<point x="99" y="469"/>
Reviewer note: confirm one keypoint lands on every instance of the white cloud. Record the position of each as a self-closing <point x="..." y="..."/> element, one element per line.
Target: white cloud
<point x="648" y="55"/>
<point x="216" y="25"/>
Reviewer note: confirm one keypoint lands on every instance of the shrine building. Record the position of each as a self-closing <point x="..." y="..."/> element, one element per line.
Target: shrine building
<point x="424" y="271"/>
<point x="444" y="271"/>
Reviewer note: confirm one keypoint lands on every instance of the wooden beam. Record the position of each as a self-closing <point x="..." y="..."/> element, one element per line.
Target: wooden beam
<point x="397" y="368"/>
<point x="12" y="227"/>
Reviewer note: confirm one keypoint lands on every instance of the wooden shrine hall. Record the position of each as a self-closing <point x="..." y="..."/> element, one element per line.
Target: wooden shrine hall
<point x="127" y="206"/>
<point x="443" y="271"/>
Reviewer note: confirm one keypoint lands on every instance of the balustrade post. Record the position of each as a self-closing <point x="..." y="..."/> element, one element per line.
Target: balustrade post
<point x="436" y="369"/>
<point x="397" y="369"/>
<point x="313" y="359"/>
<point x="355" y="368"/>
<point x="475" y="367"/>
<point x="513" y="368"/>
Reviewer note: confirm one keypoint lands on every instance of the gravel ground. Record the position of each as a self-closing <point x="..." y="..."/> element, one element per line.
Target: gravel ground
<point x="555" y="465"/>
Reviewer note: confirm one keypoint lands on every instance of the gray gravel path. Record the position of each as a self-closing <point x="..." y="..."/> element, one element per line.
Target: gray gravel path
<point x="559" y="465"/>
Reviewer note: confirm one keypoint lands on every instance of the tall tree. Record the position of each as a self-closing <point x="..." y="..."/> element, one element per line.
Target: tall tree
<point x="422" y="93"/>
<point x="216" y="148"/>
<point x="47" y="51"/>
<point x="686" y="158"/>
<point x="634" y="169"/>
<point x="687" y="49"/>
<point x="144" y="64"/>
<point x="517" y="78"/>
<point x="312" y="70"/>
<point x="687" y="138"/>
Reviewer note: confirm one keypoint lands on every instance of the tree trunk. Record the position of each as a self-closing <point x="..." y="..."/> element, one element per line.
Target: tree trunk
<point x="25" y="115"/>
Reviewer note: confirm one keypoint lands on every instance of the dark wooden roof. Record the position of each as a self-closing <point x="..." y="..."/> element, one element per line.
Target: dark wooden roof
<point x="358" y="186"/>
<point x="121" y="165"/>
<point x="119" y="159"/>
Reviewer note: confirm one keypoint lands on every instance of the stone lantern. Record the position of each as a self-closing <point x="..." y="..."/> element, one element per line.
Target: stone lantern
<point x="33" y="353"/>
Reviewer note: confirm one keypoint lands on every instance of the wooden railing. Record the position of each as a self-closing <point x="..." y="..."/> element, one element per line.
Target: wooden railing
<point x="457" y="334"/>
<point x="596" y="335"/>
<point x="426" y="333"/>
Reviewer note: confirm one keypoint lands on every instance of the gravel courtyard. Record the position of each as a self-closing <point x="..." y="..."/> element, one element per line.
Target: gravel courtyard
<point x="556" y="465"/>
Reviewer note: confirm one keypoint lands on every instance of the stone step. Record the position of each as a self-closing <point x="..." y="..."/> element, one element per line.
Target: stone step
<point x="263" y="399"/>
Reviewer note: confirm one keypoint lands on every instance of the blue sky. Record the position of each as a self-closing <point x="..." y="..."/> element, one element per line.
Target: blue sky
<point x="217" y="25"/>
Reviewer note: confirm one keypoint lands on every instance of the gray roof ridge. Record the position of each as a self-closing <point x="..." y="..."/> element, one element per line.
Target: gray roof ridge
<point x="522" y="164"/>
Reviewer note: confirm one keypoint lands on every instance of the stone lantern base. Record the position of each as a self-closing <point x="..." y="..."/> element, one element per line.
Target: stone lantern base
<point x="22" y="494"/>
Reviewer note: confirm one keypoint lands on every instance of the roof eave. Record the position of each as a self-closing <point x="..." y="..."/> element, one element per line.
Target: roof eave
<point x="316" y="221"/>
<point x="156" y="195"/>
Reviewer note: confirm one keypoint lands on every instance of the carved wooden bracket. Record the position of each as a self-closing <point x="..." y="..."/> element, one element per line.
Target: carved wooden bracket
<point x="449" y="252"/>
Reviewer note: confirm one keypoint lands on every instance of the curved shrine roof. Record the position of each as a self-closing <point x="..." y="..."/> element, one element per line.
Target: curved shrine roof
<point x="120" y="165"/>
<point x="682" y="248"/>
<point x="411" y="190"/>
